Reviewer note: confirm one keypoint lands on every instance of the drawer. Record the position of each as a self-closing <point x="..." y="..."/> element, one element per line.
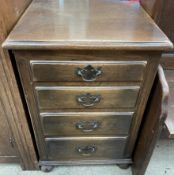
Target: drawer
<point x="76" y="97"/>
<point x="81" y="148"/>
<point x="85" y="123"/>
<point x="79" y="71"/>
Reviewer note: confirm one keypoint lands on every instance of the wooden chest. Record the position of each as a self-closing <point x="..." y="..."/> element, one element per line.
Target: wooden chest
<point x="86" y="68"/>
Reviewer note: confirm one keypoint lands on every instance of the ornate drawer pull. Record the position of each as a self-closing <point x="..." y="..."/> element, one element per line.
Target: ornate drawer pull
<point x="89" y="73"/>
<point x="88" y="100"/>
<point x="87" y="150"/>
<point x="87" y="126"/>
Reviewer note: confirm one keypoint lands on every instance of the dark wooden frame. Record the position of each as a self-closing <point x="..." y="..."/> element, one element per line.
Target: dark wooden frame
<point x="11" y="103"/>
<point x="164" y="10"/>
<point x="154" y="121"/>
<point x="15" y="113"/>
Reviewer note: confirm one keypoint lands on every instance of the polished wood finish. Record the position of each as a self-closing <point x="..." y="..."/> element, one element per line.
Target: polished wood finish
<point x="167" y="25"/>
<point x="153" y="124"/>
<point x="164" y="18"/>
<point x="75" y="148"/>
<point x="61" y="66"/>
<point x="92" y="38"/>
<point x="16" y="144"/>
<point x="66" y="26"/>
<point x="162" y="13"/>
<point x="85" y="123"/>
<point x="61" y="97"/>
<point x="66" y="71"/>
<point x="23" y="63"/>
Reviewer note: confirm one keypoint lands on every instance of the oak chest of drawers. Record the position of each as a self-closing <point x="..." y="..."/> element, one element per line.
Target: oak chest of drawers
<point x="86" y="68"/>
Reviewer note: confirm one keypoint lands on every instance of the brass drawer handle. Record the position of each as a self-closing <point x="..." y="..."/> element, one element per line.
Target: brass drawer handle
<point x="88" y="73"/>
<point x="88" y="100"/>
<point x="87" y="150"/>
<point x="87" y="126"/>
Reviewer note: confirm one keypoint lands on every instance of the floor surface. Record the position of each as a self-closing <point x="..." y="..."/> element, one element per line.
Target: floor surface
<point x="162" y="163"/>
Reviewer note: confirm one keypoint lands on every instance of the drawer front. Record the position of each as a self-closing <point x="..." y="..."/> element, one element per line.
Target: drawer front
<point x="85" y="148"/>
<point x="80" y="124"/>
<point x="80" y="71"/>
<point x="58" y="97"/>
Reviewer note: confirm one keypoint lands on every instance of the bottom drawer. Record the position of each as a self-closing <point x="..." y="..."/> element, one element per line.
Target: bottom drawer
<point x="85" y="148"/>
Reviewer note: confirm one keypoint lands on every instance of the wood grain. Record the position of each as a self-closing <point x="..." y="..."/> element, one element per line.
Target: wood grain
<point x="164" y="18"/>
<point x="11" y="106"/>
<point x="59" y="35"/>
<point x="61" y="97"/>
<point x="65" y="124"/>
<point x="7" y="142"/>
<point x="66" y="26"/>
<point x="153" y="124"/>
<point x="162" y="12"/>
<point x="67" y="148"/>
<point x="66" y="71"/>
<point x="23" y="63"/>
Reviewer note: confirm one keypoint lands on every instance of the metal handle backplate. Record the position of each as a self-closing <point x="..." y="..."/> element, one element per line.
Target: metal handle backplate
<point x="88" y="73"/>
<point x="87" y="126"/>
<point x="88" y="100"/>
<point x="87" y="150"/>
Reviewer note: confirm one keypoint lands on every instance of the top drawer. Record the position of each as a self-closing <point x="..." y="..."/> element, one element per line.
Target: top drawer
<point x="82" y="71"/>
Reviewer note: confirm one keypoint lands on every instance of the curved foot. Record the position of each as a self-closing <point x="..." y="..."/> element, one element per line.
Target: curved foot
<point x="46" y="168"/>
<point x="123" y="166"/>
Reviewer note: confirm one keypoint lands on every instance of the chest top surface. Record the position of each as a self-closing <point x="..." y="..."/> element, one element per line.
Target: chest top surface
<point x="86" y="24"/>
